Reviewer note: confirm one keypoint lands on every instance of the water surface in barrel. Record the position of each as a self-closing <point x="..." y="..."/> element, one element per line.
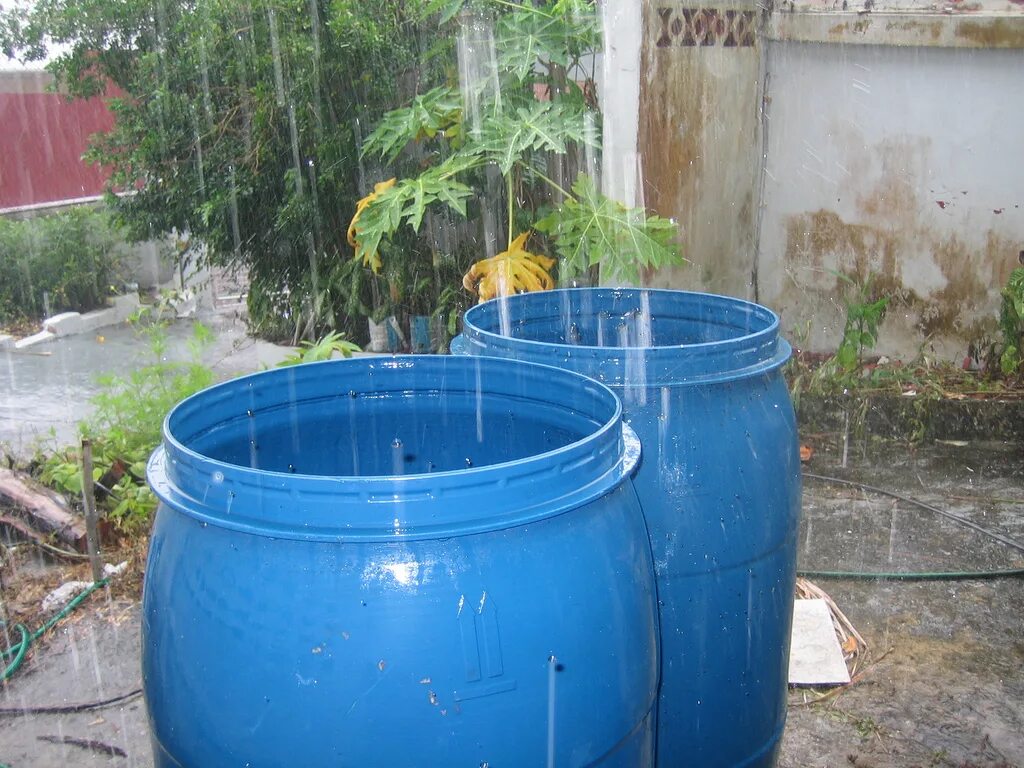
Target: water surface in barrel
<point x="365" y="435"/>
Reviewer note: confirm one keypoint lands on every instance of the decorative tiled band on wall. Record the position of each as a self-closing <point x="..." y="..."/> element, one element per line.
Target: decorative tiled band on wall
<point x="686" y="27"/>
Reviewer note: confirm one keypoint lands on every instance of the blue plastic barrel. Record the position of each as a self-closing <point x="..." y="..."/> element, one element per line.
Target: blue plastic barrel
<point x="419" y="561"/>
<point x="701" y="383"/>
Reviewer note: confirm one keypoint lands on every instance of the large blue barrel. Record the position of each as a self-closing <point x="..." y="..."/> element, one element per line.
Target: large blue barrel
<point x="422" y="561"/>
<point x="701" y="383"/>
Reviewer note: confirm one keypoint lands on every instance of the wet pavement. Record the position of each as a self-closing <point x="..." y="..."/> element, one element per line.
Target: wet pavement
<point x="47" y="387"/>
<point x="943" y="684"/>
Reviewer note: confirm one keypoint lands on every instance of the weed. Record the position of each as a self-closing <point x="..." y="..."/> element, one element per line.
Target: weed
<point x="66" y="261"/>
<point x="126" y="427"/>
<point x="324" y="349"/>
<point x="1011" y="322"/>
<point x="863" y="316"/>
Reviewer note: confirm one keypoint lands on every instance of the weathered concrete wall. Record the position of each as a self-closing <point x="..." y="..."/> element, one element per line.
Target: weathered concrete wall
<point x="904" y="163"/>
<point x="698" y="136"/>
<point x="797" y="141"/>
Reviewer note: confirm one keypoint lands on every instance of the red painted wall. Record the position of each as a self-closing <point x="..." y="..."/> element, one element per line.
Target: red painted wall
<point x="42" y="139"/>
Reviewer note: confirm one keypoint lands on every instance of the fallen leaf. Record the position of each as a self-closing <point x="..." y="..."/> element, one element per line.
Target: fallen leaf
<point x="806" y="452"/>
<point x="850" y="646"/>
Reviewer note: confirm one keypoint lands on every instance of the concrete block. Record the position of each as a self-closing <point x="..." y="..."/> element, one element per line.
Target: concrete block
<point x="120" y="309"/>
<point x="38" y="338"/>
<point x="64" y="324"/>
<point x="99" y="318"/>
<point x="124" y="306"/>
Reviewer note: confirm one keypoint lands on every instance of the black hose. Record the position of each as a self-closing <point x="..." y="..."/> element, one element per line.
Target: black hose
<point x="919" y="575"/>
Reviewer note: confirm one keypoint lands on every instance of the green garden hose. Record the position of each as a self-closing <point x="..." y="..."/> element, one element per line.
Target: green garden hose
<point x="918" y="575"/>
<point x="913" y="575"/>
<point x="16" y="653"/>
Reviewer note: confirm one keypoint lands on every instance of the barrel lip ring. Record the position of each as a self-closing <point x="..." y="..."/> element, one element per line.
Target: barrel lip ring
<point x="744" y="354"/>
<point x="388" y="508"/>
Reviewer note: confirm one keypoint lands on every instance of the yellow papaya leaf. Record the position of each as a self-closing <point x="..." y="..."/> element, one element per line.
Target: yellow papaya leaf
<point x="515" y="270"/>
<point x="373" y="259"/>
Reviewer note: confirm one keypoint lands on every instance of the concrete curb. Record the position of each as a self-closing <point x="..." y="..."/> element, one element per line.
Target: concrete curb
<point x="74" y="323"/>
<point x="905" y="418"/>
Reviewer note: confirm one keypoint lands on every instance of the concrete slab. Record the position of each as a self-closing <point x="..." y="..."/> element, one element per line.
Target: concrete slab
<point x="6" y="341"/>
<point x="815" y="657"/>
<point x="37" y="338"/>
<point x="64" y="324"/>
<point x="72" y="323"/>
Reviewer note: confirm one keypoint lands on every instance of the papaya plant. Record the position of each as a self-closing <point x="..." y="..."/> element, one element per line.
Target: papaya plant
<point x="529" y="121"/>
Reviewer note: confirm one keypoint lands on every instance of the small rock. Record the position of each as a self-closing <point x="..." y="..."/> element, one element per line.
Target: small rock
<point x="114" y="570"/>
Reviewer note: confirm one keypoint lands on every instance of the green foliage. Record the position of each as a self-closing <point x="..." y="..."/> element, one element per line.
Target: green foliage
<point x="507" y="138"/>
<point x="324" y="349"/>
<point x="72" y="256"/>
<point x="451" y="304"/>
<point x="237" y="122"/>
<point x="439" y="110"/>
<point x="542" y="116"/>
<point x="863" y="316"/>
<point x="1011" y="322"/>
<point x="562" y="34"/>
<point x="409" y="199"/>
<point x="590" y="228"/>
<point x="126" y="427"/>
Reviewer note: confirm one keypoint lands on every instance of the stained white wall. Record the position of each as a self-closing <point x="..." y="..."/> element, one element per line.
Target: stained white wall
<point x="871" y="137"/>
<point x="905" y="162"/>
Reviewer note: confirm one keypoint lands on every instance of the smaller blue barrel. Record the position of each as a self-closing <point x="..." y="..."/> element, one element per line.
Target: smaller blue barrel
<point x="413" y="561"/>
<point x="700" y="377"/>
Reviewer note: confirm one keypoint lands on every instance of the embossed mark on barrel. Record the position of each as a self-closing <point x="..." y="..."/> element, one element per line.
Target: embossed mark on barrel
<point x="481" y="651"/>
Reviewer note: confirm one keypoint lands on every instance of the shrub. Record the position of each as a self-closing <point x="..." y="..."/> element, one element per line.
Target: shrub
<point x="72" y="256"/>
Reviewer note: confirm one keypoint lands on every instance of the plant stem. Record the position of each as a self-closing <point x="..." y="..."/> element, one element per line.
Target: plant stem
<point x="511" y="192"/>
<point x="553" y="184"/>
<point x="525" y="8"/>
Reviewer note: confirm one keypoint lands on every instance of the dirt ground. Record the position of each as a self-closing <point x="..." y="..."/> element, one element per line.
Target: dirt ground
<point x="942" y="685"/>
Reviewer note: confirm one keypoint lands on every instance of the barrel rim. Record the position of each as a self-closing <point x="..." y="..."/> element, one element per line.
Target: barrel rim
<point x="405" y="507"/>
<point x="738" y="356"/>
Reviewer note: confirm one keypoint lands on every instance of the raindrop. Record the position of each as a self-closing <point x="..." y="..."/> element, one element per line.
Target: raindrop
<point x="397" y="457"/>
